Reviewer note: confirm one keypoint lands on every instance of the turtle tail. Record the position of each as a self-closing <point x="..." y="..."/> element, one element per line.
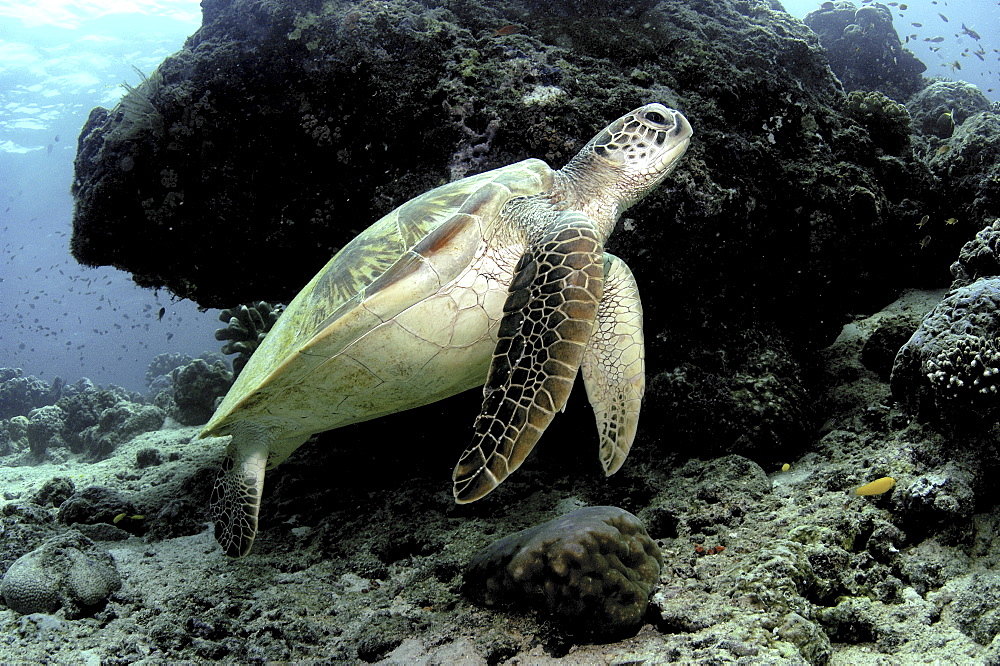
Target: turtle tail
<point x="238" y="487"/>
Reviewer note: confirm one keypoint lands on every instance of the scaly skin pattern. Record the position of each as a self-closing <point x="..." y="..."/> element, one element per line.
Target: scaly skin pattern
<point x="498" y="280"/>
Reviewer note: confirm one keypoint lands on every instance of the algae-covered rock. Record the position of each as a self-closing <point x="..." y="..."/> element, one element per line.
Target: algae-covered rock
<point x="20" y="393"/>
<point x="68" y="572"/>
<point x="591" y="571"/>
<point x="887" y="120"/>
<point x="944" y="105"/>
<point x="773" y="144"/>
<point x="45" y="426"/>
<point x="197" y="385"/>
<point x="118" y="424"/>
<point x="161" y="366"/>
<point x="864" y="49"/>
<point x="978" y="258"/>
<point x="950" y="367"/>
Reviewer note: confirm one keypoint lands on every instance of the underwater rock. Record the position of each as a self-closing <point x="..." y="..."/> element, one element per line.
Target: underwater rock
<point x="96" y="504"/>
<point x="117" y="424"/>
<point x="968" y="169"/>
<point x="19" y="394"/>
<point x="864" y="49"/>
<point x="978" y="258"/>
<point x="162" y="365"/>
<point x="943" y="105"/>
<point x="67" y="572"/>
<point x="754" y="402"/>
<point x="887" y="120"/>
<point x="950" y="367"/>
<point x="53" y="492"/>
<point x="938" y="501"/>
<point x="197" y="385"/>
<point x="754" y="80"/>
<point x="591" y="570"/>
<point x="45" y="426"/>
<point x="880" y="349"/>
<point x="971" y="602"/>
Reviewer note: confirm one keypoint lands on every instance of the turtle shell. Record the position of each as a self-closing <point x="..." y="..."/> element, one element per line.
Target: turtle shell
<point x="372" y="334"/>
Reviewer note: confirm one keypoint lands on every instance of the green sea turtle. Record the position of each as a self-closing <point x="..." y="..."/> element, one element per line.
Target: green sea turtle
<point x="498" y="279"/>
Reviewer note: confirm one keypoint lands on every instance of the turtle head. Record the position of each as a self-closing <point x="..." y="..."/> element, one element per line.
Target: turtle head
<point x="632" y="155"/>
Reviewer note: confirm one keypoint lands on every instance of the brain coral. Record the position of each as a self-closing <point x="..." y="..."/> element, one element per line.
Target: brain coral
<point x="592" y="570"/>
<point x="68" y="572"/>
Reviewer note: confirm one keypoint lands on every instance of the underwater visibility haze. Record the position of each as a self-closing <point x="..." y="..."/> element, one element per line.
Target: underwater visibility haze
<point x="794" y="370"/>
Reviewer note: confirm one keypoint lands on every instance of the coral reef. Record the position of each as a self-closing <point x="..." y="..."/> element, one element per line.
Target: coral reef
<point x="97" y="421"/>
<point x="754" y="82"/>
<point x="887" y="121"/>
<point x="591" y="570"/>
<point x="978" y="258"/>
<point x="245" y="329"/>
<point x="45" y="426"/>
<point x="19" y="394"/>
<point x="117" y="424"/>
<point x="67" y="572"/>
<point x="197" y="386"/>
<point x="864" y="49"/>
<point x="799" y="208"/>
<point x="950" y="367"/>
<point x="157" y="376"/>
<point x="944" y="105"/>
<point x="750" y="401"/>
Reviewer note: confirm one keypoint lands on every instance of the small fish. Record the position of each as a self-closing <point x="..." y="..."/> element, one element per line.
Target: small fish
<point x="925" y="241"/>
<point x="903" y="7"/>
<point x="506" y="30"/>
<point x="942" y="150"/>
<point x="955" y="66"/>
<point x="950" y="221"/>
<point x="917" y="25"/>
<point x="160" y="314"/>
<point x="943" y="17"/>
<point x="877" y="487"/>
<point x="934" y="40"/>
<point x="117" y="519"/>
<point x="924" y="220"/>
<point x="970" y="32"/>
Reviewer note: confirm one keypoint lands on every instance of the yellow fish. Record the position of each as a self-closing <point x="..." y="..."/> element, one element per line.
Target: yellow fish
<point x="877" y="487"/>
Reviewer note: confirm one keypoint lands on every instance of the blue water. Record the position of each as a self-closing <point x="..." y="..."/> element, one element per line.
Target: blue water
<point x="60" y="59"/>
<point x="979" y="16"/>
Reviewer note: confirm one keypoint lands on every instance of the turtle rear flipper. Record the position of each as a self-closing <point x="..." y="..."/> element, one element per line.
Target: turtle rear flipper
<point x="548" y="319"/>
<point x="613" y="366"/>
<point x="238" y="488"/>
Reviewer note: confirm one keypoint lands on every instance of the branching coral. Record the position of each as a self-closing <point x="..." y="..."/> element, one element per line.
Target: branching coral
<point x="245" y="329"/>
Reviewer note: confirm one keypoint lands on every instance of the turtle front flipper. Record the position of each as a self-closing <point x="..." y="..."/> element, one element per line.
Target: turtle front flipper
<point x="613" y="366"/>
<point x="548" y="319"/>
<point x="238" y="488"/>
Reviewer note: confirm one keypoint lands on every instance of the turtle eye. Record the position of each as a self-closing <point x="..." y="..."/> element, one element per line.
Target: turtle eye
<point x="656" y="117"/>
